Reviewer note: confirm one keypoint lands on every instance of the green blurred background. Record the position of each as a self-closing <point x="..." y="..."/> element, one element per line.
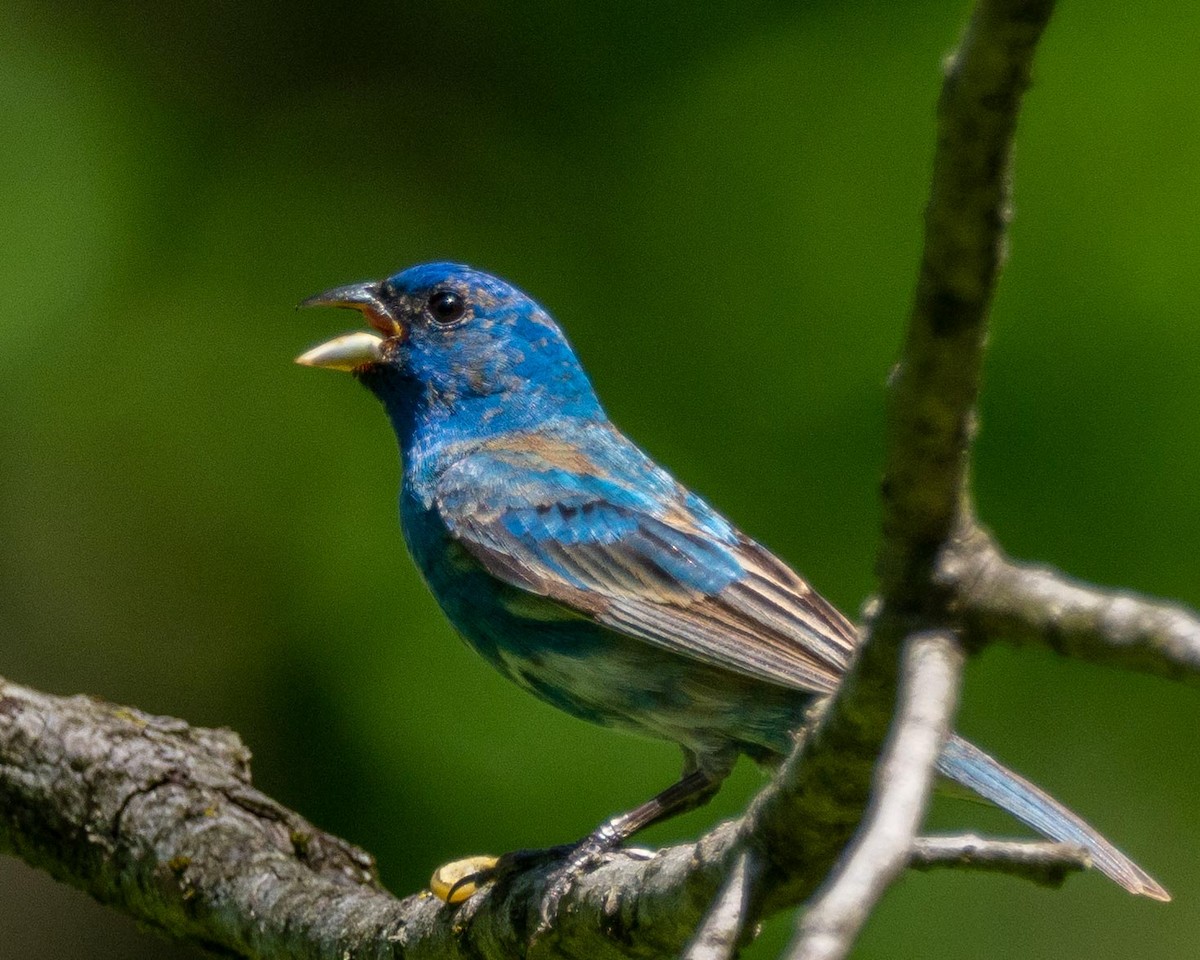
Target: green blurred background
<point x="722" y="204"/>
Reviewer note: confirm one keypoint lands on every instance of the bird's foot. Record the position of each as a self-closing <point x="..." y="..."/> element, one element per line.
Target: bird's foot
<point x="458" y="881"/>
<point x="577" y="860"/>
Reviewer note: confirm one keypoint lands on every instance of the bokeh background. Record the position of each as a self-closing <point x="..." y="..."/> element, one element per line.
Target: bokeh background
<point x="722" y="204"/>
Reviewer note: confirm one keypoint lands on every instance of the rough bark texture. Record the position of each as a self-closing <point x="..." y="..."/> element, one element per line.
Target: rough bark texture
<point x="160" y="820"/>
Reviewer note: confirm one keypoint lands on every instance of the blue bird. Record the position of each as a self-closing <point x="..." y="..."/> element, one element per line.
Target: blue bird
<point x="588" y="575"/>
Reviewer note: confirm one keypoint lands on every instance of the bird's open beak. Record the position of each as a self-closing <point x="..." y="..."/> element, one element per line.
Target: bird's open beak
<point x="354" y="350"/>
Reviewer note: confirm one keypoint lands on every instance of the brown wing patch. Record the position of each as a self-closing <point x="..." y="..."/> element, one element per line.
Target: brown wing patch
<point x="548" y="450"/>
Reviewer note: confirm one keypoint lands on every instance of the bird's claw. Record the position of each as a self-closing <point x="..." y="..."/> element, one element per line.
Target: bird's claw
<point x="458" y="881"/>
<point x="578" y="859"/>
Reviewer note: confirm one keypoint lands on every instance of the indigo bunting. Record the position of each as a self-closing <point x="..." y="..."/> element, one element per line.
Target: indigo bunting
<point x="589" y="576"/>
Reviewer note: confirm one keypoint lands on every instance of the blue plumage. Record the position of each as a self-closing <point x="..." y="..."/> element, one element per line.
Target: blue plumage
<point x="587" y="574"/>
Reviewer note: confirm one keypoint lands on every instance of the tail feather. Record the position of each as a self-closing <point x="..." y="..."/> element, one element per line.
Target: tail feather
<point x="967" y="764"/>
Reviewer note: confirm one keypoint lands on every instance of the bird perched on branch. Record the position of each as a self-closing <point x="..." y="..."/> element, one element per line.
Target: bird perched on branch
<point x="585" y="573"/>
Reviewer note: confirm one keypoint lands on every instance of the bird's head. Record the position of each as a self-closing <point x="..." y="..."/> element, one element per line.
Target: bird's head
<point x="450" y="340"/>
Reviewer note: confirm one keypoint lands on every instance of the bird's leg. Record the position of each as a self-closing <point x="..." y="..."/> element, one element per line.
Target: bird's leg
<point x="694" y="789"/>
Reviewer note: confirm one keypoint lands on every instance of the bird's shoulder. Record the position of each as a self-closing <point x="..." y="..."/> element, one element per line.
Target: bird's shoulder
<point x="565" y="469"/>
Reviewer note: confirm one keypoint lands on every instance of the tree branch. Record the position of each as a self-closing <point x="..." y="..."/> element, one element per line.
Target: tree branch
<point x="927" y="510"/>
<point x="932" y="395"/>
<point x="160" y="820"/>
<point x="928" y="699"/>
<point x="997" y="598"/>
<point x="724" y="928"/>
<point x="1042" y="862"/>
<point x="930" y="408"/>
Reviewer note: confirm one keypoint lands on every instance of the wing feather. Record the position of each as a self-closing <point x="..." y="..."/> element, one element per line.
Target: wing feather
<point x="648" y="559"/>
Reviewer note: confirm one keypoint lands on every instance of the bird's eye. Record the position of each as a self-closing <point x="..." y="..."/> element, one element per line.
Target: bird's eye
<point x="447" y="307"/>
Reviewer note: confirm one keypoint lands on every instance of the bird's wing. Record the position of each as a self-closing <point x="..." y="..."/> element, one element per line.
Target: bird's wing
<point x="611" y="536"/>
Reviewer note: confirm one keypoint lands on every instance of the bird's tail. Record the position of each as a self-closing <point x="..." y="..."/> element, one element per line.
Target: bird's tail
<point x="967" y="764"/>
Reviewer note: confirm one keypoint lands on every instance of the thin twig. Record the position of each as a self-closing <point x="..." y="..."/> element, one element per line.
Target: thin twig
<point x="929" y="696"/>
<point x="724" y="928"/>
<point x="930" y="414"/>
<point x="932" y="395"/>
<point x="930" y="410"/>
<point x="998" y="598"/>
<point x="1040" y="861"/>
